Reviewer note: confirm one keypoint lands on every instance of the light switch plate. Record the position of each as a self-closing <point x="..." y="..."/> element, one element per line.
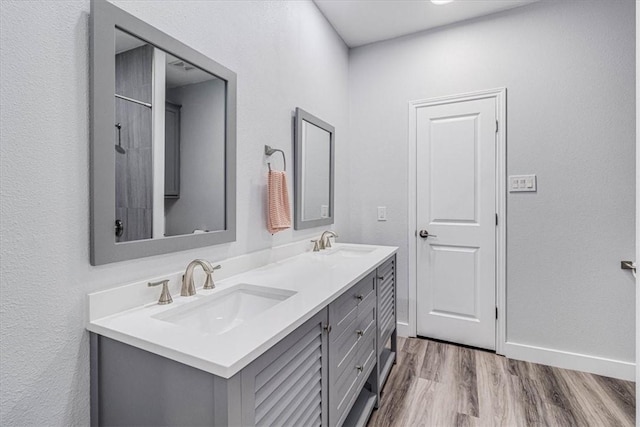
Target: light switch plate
<point x="324" y="211"/>
<point x="522" y="183"/>
<point x="382" y="213"/>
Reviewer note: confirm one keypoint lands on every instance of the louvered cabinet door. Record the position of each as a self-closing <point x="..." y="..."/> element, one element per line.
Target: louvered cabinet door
<point x="387" y="320"/>
<point x="386" y="301"/>
<point x="288" y="385"/>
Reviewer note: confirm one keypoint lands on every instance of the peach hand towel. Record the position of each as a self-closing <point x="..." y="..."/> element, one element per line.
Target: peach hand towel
<point x="279" y="211"/>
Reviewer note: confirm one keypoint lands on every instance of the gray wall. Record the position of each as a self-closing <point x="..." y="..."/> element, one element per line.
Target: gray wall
<point x="202" y="132"/>
<point x="280" y="51"/>
<point x="637" y="258"/>
<point x="569" y="70"/>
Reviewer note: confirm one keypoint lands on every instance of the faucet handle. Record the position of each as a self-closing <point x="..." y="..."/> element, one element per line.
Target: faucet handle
<point x="316" y="245"/>
<point x="165" y="296"/>
<point x="208" y="283"/>
<point x="327" y="242"/>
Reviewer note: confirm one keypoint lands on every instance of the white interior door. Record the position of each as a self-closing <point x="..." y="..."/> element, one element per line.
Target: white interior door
<point x="456" y="219"/>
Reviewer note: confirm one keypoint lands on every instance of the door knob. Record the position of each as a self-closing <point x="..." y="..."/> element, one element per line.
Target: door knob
<point x="424" y="234"/>
<point x="627" y="265"/>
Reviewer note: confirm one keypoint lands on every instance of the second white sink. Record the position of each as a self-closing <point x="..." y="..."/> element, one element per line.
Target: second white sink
<point x="348" y="251"/>
<point x="221" y="312"/>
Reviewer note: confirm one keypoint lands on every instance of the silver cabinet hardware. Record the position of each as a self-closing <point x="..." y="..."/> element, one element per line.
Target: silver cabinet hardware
<point x="359" y="297"/>
<point x="424" y="234"/>
<point x="359" y="332"/>
<point x="327" y="328"/>
<point x="360" y="368"/>
<point x="165" y="296"/>
<point x="380" y="277"/>
<point x="119" y="228"/>
<point x="628" y="265"/>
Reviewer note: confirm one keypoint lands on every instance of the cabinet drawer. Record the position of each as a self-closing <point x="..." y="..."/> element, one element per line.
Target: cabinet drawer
<point x="345" y="379"/>
<point x="343" y="349"/>
<point x="366" y="357"/>
<point x="346" y="346"/>
<point x="343" y="309"/>
<point x="358" y="372"/>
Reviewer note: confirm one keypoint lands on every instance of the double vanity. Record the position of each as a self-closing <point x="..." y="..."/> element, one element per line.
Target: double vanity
<point x="287" y="336"/>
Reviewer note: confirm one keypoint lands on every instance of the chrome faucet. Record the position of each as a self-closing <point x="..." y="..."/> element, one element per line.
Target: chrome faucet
<point x="188" y="286"/>
<point x="325" y="241"/>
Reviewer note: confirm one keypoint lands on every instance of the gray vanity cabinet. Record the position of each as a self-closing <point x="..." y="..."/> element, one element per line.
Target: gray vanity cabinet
<point x="287" y="385"/>
<point x="327" y="372"/>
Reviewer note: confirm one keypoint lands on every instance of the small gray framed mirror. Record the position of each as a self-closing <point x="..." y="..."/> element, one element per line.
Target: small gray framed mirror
<point x="163" y="142"/>
<point x="314" y="171"/>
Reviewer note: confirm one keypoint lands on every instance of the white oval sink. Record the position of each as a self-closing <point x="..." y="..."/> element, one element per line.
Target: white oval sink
<point x="221" y="312"/>
<point x="348" y="251"/>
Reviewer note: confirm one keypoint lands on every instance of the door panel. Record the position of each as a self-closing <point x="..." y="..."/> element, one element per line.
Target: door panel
<point x="453" y="161"/>
<point x="456" y="204"/>
<point x="455" y="285"/>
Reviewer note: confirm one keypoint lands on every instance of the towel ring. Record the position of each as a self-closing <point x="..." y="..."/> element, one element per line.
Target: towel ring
<point x="269" y="151"/>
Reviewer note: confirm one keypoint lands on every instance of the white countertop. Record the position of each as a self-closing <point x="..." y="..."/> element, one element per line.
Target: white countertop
<point x="316" y="278"/>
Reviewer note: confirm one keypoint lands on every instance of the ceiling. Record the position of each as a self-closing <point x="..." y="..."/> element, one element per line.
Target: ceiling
<point x="360" y="22"/>
<point x="178" y="72"/>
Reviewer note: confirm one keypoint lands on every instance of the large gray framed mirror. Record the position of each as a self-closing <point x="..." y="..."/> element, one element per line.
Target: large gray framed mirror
<point x="314" y="171"/>
<point x="163" y="142"/>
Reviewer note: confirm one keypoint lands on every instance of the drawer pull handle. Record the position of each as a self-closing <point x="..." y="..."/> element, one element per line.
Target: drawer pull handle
<point x="359" y="297"/>
<point x="327" y="328"/>
<point x="360" y="332"/>
<point x="380" y="277"/>
<point x="359" y="368"/>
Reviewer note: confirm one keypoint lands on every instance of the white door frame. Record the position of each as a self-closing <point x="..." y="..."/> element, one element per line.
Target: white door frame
<point x="500" y="96"/>
<point x="637" y="260"/>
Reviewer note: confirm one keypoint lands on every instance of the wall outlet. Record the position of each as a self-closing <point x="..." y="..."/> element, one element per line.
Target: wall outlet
<point x="382" y="213"/>
<point x="521" y="183"/>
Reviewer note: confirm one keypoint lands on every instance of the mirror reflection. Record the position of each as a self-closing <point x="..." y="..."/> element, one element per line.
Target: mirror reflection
<point x="316" y="154"/>
<point x="170" y="144"/>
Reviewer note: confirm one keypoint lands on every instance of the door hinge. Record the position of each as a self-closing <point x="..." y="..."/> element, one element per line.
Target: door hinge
<point x="496" y="312"/>
<point x="496" y="219"/>
<point x="496" y="126"/>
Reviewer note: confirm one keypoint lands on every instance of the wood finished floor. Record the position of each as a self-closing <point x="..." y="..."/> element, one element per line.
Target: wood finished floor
<point x="439" y="384"/>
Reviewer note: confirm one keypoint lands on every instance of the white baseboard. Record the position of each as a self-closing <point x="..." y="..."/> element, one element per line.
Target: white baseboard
<point x="404" y="330"/>
<point x="567" y="360"/>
